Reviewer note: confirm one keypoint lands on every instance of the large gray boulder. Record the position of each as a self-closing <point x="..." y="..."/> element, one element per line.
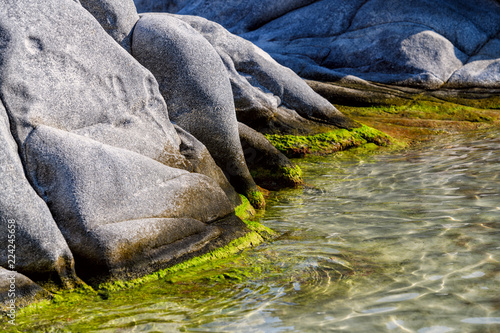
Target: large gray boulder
<point x="59" y="68"/>
<point x="483" y="67"/>
<point x="186" y="60"/>
<point x="419" y="43"/>
<point x="195" y="85"/>
<point x="118" y="209"/>
<point x="33" y="245"/>
<point x="86" y="129"/>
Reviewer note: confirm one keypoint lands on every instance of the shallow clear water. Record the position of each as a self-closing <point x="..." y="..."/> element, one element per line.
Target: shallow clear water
<point x="390" y="242"/>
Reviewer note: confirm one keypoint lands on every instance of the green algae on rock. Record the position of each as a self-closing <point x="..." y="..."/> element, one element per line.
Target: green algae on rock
<point x="256" y="199"/>
<point x="278" y="177"/>
<point x="245" y="211"/>
<point x="421" y="119"/>
<point x="329" y="142"/>
<point x="207" y="267"/>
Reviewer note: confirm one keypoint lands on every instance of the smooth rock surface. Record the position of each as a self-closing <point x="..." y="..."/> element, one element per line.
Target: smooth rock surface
<point x="260" y="84"/>
<point x="59" y="68"/>
<point x="116" y="207"/>
<point x="117" y="17"/>
<point x="195" y="85"/>
<point x="28" y="232"/>
<point x="202" y="162"/>
<point x="419" y="43"/>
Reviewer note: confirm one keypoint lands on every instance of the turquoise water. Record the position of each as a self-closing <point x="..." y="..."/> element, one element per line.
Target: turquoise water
<point x="382" y="242"/>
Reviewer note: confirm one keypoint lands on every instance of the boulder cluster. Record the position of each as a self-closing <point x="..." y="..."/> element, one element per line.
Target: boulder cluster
<point x="122" y="138"/>
<point x="127" y="139"/>
<point x="422" y="43"/>
<point x="448" y="45"/>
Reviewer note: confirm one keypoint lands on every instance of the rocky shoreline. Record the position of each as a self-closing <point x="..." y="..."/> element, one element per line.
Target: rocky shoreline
<point x="136" y="142"/>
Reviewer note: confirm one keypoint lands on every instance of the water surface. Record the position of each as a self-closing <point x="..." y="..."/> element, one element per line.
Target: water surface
<point x="386" y="242"/>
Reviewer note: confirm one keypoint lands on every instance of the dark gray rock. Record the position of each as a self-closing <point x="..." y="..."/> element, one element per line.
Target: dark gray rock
<point x="150" y="6"/>
<point x="197" y="90"/>
<point x="419" y="43"/>
<point x="238" y="16"/>
<point x="117" y="17"/>
<point x="116" y="208"/>
<point x="28" y="232"/>
<point x="392" y="53"/>
<point x="17" y="290"/>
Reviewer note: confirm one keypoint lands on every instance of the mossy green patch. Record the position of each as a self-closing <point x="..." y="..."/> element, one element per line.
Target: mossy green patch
<point x="424" y="110"/>
<point x="262" y="230"/>
<point x="256" y="199"/>
<point x="205" y="267"/>
<point x="419" y="119"/>
<point x="245" y="211"/>
<point x="278" y="177"/>
<point x="249" y="240"/>
<point x="294" y="174"/>
<point x="323" y="143"/>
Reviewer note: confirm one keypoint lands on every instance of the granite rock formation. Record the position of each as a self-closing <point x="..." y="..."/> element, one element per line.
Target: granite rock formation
<point x="196" y="88"/>
<point x="424" y="44"/>
<point x="94" y="175"/>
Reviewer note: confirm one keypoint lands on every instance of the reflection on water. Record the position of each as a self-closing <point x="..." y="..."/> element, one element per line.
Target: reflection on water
<point x="406" y="242"/>
<point x="421" y="230"/>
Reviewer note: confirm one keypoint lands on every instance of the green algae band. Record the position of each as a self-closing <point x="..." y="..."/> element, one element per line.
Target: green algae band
<point x="329" y="142"/>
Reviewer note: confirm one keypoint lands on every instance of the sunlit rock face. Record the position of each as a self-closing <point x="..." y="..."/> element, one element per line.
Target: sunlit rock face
<point x="92" y="172"/>
<point x="417" y="43"/>
<point x="211" y="79"/>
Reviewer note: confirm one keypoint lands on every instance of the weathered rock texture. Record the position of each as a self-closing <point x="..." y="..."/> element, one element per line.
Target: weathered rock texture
<point x="419" y="43"/>
<point x="93" y="172"/>
<point x="32" y="243"/>
<point x="196" y="88"/>
<point x="118" y="18"/>
<point x="194" y="60"/>
<point x="268" y="96"/>
<point x="117" y="208"/>
<point x="16" y="290"/>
